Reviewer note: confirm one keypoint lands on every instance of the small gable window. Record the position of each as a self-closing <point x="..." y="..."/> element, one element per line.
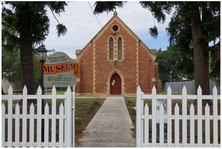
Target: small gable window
<point x="111" y="48"/>
<point x="120" y="51"/>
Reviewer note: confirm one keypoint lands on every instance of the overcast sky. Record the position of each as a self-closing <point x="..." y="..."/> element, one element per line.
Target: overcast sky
<point x="82" y="26"/>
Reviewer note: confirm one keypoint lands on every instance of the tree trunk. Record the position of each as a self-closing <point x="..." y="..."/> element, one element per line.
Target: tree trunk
<point x="201" y="64"/>
<point x="27" y="65"/>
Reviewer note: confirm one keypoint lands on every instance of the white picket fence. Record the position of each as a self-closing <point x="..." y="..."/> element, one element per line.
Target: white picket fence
<point x="143" y="117"/>
<point x="66" y="118"/>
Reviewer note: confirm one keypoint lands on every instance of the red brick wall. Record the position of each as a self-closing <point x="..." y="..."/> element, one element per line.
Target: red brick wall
<point x="77" y="87"/>
<point x="86" y="71"/>
<point x="145" y="72"/>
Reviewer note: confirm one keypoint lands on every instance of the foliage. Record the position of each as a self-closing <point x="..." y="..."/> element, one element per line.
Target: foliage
<point x="215" y="64"/>
<point x="107" y="6"/>
<point x="153" y="32"/>
<point x="158" y="9"/>
<point x="11" y="68"/>
<point x="11" y="65"/>
<point x="61" y="29"/>
<point x="169" y="63"/>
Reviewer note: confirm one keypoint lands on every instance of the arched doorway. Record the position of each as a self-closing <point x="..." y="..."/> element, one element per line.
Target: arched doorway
<point x="115" y="84"/>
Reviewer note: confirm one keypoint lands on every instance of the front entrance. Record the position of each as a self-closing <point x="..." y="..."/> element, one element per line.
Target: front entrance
<point x="115" y="84"/>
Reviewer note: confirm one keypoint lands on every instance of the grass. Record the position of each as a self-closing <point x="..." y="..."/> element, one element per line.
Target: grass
<point x="131" y="101"/>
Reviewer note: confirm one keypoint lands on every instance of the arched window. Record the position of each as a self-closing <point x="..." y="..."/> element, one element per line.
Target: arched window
<point x="111" y="48"/>
<point x="120" y="48"/>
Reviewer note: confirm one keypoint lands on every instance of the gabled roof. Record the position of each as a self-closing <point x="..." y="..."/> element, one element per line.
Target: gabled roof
<point x="151" y="51"/>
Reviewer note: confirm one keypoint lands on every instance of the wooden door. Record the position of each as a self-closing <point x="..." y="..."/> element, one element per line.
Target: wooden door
<point x="115" y="84"/>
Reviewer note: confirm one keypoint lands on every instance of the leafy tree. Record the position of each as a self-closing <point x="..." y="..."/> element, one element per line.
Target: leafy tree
<point x="30" y="25"/>
<point x="196" y="23"/>
<point x="185" y="61"/>
<point x="168" y="63"/>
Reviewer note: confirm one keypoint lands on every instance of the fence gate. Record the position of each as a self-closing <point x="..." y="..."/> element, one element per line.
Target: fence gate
<point x="191" y="129"/>
<point x="22" y="125"/>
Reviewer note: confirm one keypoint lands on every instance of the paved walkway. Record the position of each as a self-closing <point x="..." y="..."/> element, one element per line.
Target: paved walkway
<point x="110" y="127"/>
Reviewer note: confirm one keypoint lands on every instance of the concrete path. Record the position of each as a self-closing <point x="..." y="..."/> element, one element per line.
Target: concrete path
<point x="110" y="127"/>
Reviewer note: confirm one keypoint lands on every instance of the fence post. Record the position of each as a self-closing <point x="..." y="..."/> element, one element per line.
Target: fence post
<point x="24" y="113"/>
<point x="199" y="115"/>
<point x="176" y="126"/>
<point x="192" y="127"/>
<point x="39" y="116"/>
<point x="153" y="116"/>
<point x="138" y="118"/>
<point x="169" y="113"/>
<point x="207" y="125"/>
<point x="184" y="115"/>
<point x="69" y="118"/>
<point x="17" y="125"/>
<point x="10" y="100"/>
<point x="73" y="116"/>
<point x="3" y="125"/>
<point x="53" y="116"/>
<point x="215" y="120"/>
<point x="46" y="125"/>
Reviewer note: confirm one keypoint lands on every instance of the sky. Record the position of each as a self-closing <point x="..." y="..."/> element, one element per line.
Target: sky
<point x="82" y="26"/>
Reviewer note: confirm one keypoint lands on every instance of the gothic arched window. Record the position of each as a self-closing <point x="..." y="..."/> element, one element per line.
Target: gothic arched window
<point x="120" y="51"/>
<point x="111" y="48"/>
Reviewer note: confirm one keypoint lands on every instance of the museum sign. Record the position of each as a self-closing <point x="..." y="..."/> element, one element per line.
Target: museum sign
<point x="60" y="70"/>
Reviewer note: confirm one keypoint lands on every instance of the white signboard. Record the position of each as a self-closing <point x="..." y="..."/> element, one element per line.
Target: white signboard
<point x="60" y="70"/>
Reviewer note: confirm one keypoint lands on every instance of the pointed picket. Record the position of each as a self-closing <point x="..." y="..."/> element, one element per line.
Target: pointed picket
<point x="69" y="117"/>
<point x="139" y="119"/>
<point x="146" y="125"/>
<point x="17" y="125"/>
<point x="10" y="101"/>
<point x="215" y="120"/>
<point x="24" y="113"/>
<point x="176" y="126"/>
<point x="154" y="117"/>
<point x="192" y="128"/>
<point x="3" y="125"/>
<point x="184" y="115"/>
<point x="207" y="125"/>
<point x="39" y="116"/>
<point x="65" y="120"/>
<point x="199" y="115"/>
<point x="31" y="126"/>
<point x="161" y="129"/>
<point x="61" y="125"/>
<point x="46" y="125"/>
<point x="73" y="115"/>
<point x="169" y="120"/>
<point x="53" y="116"/>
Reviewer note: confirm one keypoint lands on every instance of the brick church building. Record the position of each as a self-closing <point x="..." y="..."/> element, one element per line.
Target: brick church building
<point x="115" y="62"/>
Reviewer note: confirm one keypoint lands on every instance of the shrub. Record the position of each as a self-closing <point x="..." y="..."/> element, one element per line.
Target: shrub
<point x="96" y="103"/>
